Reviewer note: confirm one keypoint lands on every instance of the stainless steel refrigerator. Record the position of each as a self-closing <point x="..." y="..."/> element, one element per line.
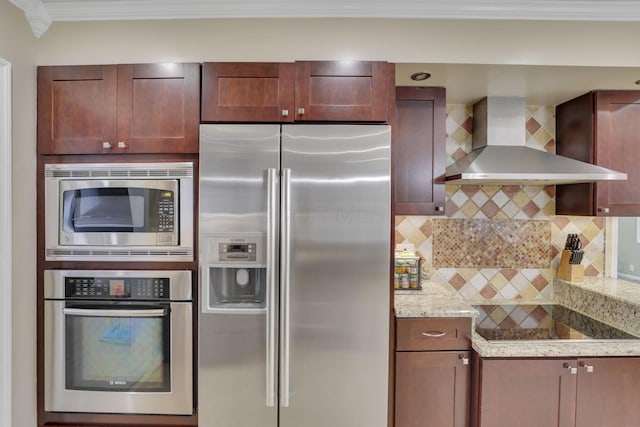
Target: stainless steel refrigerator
<point x="294" y="242"/>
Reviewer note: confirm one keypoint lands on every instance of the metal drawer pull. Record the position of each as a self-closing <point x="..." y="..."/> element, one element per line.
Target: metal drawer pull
<point x="434" y="334"/>
<point x="465" y="360"/>
<point x="572" y="370"/>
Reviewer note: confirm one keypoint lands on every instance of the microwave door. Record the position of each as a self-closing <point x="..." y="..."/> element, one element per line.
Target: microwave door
<point x="119" y="212"/>
<point x="105" y="210"/>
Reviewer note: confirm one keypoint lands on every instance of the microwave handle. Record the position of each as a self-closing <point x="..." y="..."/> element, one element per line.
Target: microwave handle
<point x="90" y="312"/>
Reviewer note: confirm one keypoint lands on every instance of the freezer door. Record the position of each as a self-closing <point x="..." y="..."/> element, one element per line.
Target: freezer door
<point x="237" y="361"/>
<point x="335" y="283"/>
<point x="234" y="160"/>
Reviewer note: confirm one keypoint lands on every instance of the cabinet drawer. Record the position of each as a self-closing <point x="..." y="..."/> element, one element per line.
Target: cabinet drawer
<point x="433" y="334"/>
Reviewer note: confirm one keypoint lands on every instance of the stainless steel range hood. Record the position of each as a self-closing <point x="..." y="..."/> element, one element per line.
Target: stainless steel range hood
<point x="499" y="154"/>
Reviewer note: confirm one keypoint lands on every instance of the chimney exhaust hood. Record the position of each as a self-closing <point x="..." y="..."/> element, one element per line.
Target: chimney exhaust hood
<point x="499" y="155"/>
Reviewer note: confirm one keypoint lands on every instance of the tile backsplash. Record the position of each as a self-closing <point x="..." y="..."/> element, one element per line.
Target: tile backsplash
<point x="499" y="242"/>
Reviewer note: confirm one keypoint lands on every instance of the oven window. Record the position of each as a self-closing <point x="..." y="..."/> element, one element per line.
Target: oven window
<point x="106" y="353"/>
<point x="114" y="209"/>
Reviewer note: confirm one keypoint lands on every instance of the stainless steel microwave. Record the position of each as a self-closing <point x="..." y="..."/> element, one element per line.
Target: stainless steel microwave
<point x="119" y="211"/>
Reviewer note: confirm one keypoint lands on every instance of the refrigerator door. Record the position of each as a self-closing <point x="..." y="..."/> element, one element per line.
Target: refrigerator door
<point x="237" y="362"/>
<point x="335" y="285"/>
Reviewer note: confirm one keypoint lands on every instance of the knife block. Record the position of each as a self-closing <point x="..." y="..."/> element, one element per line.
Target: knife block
<point x="569" y="272"/>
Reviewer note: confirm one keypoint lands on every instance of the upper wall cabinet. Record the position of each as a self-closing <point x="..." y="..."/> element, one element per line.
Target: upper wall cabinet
<point x="418" y="148"/>
<point x="315" y="91"/>
<point x="342" y="91"/>
<point x="99" y="109"/>
<point x="603" y="128"/>
<point x="247" y="92"/>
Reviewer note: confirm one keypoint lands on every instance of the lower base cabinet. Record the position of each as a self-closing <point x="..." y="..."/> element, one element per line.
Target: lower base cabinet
<point x="589" y="392"/>
<point x="432" y="389"/>
<point x="433" y="372"/>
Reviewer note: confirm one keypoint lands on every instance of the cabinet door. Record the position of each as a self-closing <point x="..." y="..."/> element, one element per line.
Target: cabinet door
<point x="618" y="147"/>
<point x="608" y="390"/>
<point x="76" y="109"/>
<point x="432" y="389"/>
<point x="247" y="92"/>
<point x="527" y="393"/>
<point x="158" y="108"/>
<point x="419" y="139"/>
<point x="602" y="128"/>
<point x="574" y="139"/>
<point x="342" y="91"/>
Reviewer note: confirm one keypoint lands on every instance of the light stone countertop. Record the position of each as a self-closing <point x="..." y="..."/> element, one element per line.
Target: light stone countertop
<point x="431" y="301"/>
<point x="612" y="301"/>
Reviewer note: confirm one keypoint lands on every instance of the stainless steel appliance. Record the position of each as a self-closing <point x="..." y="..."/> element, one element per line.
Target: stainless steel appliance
<point x="295" y="262"/>
<point x="119" y="211"/>
<point x="118" y="342"/>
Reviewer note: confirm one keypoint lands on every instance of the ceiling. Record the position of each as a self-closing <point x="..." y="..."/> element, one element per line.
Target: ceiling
<point x="465" y="83"/>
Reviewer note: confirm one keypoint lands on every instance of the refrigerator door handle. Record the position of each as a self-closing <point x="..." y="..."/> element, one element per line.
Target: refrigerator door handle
<point x="285" y="329"/>
<point x="272" y="283"/>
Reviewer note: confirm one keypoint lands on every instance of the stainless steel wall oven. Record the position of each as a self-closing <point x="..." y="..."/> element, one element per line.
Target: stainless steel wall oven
<point x="119" y="212"/>
<point x="118" y="342"/>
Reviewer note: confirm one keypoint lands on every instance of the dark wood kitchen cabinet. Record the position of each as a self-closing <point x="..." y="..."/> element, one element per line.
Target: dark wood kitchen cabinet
<point x="589" y="392"/>
<point x="304" y="91"/>
<point x="602" y="128"/>
<point x="247" y="92"/>
<point x="100" y="109"/>
<point x="419" y="139"/>
<point x="340" y="91"/>
<point x="433" y="375"/>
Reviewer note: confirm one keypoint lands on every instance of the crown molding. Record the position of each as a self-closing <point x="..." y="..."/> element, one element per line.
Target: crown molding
<point x="36" y="14"/>
<point x="569" y="10"/>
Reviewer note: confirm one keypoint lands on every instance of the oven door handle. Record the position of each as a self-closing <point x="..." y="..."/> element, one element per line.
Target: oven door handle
<point x="90" y="312"/>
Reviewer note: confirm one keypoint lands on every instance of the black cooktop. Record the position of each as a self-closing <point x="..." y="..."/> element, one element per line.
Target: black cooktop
<point x="541" y="322"/>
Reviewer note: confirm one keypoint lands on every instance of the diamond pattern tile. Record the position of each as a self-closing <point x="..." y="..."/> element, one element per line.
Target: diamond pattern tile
<point x="501" y="277"/>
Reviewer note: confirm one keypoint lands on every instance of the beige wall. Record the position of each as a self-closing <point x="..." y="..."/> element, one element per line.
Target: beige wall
<point x="17" y="45"/>
<point x="448" y="41"/>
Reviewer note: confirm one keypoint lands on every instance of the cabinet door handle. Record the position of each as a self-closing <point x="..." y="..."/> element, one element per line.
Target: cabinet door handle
<point x="572" y="370"/>
<point x="588" y="368"/>
<point x="465" y="360"/>
<point x="434" y="334"/>
<point x="439" y="208"/>
<point x="106" y="145"/>
<point x="122" y="144"/>
<point x="301" y="111"/>
<point x="603" y="210"/>
<point x="285" y="113"/>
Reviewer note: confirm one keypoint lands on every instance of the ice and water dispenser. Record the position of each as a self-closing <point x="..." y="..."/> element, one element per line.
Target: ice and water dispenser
<point x="234" y="272"/>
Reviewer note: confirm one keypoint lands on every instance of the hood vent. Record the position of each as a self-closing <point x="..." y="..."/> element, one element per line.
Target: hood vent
<point x="499" y="154"/>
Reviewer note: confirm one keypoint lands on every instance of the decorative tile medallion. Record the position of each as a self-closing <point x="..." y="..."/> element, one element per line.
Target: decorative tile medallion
<point x="483" y="243"/>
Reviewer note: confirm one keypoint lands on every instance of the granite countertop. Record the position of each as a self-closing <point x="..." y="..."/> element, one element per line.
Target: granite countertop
<point x="612" y="301"/>
<point x="431" y="301"/>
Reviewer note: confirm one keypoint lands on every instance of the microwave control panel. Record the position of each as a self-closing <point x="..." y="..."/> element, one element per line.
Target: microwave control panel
<point x="166" y="212"/>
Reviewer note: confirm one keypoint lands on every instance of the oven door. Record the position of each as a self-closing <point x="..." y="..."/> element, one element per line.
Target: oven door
<point x="118" y="357"/>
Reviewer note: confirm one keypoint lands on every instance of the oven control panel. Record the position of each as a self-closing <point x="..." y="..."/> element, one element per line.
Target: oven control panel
<point x="117" y="287"/>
